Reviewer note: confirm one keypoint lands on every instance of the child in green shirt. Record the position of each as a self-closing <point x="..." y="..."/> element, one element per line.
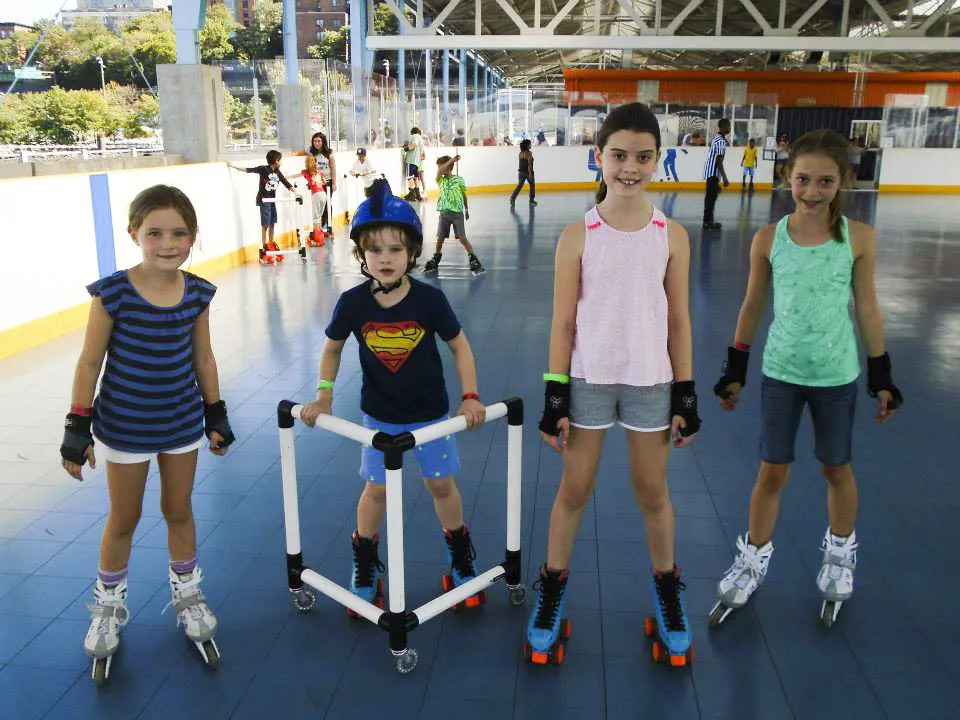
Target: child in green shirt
<point x="453" y="209"/>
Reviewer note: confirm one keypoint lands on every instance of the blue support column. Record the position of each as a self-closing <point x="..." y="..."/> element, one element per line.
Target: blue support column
<point x="476" y="85"/>
<point x="486" y="89"/>
<point x="462" y="90"/>
<point x="402" y="74"/>
<point x="361" y="59"/>
<point x="290" y="42"/>
<point x="445" y="111"/>
<point x="428" y="90"/>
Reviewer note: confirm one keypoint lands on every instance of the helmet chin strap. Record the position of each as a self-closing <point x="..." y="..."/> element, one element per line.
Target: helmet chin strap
<point x="386" y="289"/>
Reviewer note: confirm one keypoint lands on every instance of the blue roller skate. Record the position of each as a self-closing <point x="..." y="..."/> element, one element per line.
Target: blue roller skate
<point x="366" y="582"/>
<point x="548" y="629"/>
<point x="461" y="554"/>
<point x="669" y="628"/>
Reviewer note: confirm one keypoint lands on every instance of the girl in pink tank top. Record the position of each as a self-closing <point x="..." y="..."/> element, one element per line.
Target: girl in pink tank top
<point x="620" y="352"/>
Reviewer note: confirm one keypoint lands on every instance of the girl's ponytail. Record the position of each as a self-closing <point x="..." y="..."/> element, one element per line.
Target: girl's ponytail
<point x="601" y="191"/>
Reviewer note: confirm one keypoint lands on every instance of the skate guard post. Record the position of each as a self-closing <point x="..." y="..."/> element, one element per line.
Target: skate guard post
<point x="399" y="621"/>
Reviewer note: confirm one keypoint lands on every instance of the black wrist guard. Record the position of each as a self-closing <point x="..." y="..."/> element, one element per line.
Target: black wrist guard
<point x="556" y="405"/>
<point x="683" y="402"/>
<point x="734" y="371"/>
<point x="215" y="420"/>
<point x="880" y="377"/>
<point x="77" y="437"/>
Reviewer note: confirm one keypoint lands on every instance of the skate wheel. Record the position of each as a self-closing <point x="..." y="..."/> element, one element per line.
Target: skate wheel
<point x="558" y="654"/>
<point x="518" y="595"/>
<point x="657" y="652"/>
<point x="565" y="629"/>
<point x="211" y="655"/>
<point x="678" y="660"/>
<point x="535" y="656"/>
<point x="649" y="626"/>
<point x="447" y="583"/>
<point x="719" y="614"/>
<point x="477" y="600"/>
<point x="352" y="614"/>
<point x="100" y="670"/>
<point x="828" y="613"/>
<point x="407" y="661"/>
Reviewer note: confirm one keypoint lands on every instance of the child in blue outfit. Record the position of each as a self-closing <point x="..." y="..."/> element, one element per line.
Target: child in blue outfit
<point x="396" y="320"/>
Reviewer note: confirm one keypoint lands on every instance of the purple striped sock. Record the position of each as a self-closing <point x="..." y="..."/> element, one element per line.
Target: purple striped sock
<point x="183" y="567"/>
<point x="112" y="578"/>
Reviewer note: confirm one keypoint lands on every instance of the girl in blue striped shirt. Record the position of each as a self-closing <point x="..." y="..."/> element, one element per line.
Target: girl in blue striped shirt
<point x="159" y="396"/>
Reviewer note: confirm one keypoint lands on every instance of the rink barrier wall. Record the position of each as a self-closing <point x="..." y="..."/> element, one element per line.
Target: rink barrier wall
<point x="43" y="301"/>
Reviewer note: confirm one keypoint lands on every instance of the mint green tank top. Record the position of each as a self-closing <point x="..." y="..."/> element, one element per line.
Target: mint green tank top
<point x="811" y="339"/>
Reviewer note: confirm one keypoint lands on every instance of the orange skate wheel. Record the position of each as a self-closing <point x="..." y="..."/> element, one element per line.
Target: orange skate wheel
<point x="657" y="652"/>
<point x="558" y="654"/>
<point x="649" y="626"/>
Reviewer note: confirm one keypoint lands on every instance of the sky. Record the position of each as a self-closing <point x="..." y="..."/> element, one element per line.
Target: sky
<point x="27" y="12"/>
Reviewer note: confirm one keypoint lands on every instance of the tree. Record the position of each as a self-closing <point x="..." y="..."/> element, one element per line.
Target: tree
<point x="332" y="45"/>
<point x="151" y="40"/>
<point x="215" y="43"/>
<point x="13" y="126"/>
<point x="263" y="37"/>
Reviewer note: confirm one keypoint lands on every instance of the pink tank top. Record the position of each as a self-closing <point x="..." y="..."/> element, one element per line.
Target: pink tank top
<point x="622" y="309"/>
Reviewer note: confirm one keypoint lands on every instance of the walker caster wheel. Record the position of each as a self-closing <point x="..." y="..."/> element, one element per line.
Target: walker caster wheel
<point x="407" y="661"/>
<point x="304" y="600"/>
<point x="517" y="595"/>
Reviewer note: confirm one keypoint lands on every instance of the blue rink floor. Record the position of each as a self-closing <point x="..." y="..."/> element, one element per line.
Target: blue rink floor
<point x="892" y="655"/>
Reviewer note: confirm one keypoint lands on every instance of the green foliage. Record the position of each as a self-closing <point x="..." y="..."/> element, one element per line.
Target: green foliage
<point x="333" y="45"/>
<point x="215" y="43"/>
<point x="263" y="37"/>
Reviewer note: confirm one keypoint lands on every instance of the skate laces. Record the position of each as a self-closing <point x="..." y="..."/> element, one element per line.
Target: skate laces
<point x="669" y="586"/>
<point x="751" y="559"/>
<point x="462" y="552"/>
<point x="186" y="596"/>
<point x="109" y="604"/>
<point x="550" y="588"/>
<point x="844" y="555"/>
<point x="365" y="555"/>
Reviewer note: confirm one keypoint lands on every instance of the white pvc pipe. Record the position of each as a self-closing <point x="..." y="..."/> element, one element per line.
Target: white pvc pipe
<point x="341" y="595"/>
<point x="514" y="486"/>
<point x="454" y="425"/>
<point x="395" y="570"/>
<point x="291" y="503"/>
<point x="339" y="426"/>
<point x="459" y="594"/>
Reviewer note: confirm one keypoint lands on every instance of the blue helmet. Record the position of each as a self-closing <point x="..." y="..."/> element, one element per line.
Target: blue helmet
<point x="384" y="208"/>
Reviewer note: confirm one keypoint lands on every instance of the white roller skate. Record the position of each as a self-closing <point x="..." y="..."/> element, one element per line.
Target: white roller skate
<point x="742" y="579"/>
<point x="198" y="621"/>
<point x="835" y="578"/>
<point x="109" y="615"/>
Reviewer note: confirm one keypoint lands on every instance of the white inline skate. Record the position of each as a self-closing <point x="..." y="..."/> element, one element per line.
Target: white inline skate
<point x="835" y="579"/>
<point x="109" y="616"/>
<point x="198" y="621"/>
<point x="742" y="579"/>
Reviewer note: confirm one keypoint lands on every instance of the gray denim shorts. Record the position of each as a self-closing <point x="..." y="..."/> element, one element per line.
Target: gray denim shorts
<point x="598" y="407"/>
<point x="449" y="219"/>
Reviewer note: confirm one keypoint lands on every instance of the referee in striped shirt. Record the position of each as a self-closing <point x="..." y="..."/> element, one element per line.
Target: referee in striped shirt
<point x="713" y="172"/>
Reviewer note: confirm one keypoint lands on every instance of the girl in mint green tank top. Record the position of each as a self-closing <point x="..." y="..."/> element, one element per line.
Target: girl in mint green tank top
<point x="817" y="262"/>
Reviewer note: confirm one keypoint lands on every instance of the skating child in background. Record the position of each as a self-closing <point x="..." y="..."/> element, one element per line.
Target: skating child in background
<point x="525" y="174"/>
<point x="625" y="259"/>
<point x="453" y="208"/>
<point x="327" y="163"/>
<point x="270" y="179"/>
<point x="363" y="169"/>
<point x="816" y="260"/>
<point x="159" y="396"/>
<point x="749" y="163"/>
<point x="403" y="388"/>
<point x="318" y="198"/>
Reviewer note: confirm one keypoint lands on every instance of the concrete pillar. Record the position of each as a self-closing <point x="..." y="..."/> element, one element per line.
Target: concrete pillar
<point x="293" y="117"/>
<point x="188" y="18"/>
<point x="191" y="111"/>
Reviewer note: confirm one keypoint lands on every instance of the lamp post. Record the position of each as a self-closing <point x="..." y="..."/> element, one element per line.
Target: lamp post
<point x="103" y="83"/>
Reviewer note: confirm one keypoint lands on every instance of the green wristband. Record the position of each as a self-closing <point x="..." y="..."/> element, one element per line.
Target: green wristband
<point x="557" y="377"/>
<point x="324" y="385"/>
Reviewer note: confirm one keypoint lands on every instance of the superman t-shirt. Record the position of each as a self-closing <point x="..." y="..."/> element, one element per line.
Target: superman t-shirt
<point x="402" y="371"/>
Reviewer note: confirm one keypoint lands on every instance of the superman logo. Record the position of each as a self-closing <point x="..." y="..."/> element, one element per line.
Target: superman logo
<point x="394" y="342"/>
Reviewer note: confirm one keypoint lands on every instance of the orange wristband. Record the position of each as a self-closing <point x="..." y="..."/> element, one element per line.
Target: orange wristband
<point x="470" y="396"/>
<point x="81" y="411"/>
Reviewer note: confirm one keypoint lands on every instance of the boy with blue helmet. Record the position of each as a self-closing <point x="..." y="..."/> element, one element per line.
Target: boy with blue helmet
<point x="395" y="320"/>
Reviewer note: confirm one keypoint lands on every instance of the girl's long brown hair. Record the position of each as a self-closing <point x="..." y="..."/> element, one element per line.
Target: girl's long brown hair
<point x="834" y="146"/>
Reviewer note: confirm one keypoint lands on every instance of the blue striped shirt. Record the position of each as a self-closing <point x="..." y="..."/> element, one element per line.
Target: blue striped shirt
<point x="717" y="149"/>
<point x="149" y="400"/>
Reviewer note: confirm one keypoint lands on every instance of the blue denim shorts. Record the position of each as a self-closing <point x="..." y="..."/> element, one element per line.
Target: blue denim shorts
<point x="832" y="410"/>
<point x="437" y="459"/>
<point x="598" y="407"/>
<point x="268" y="214"/>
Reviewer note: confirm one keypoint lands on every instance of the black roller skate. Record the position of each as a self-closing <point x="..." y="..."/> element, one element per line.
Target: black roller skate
<point x="461" y="553"/>
<point x="433" y="264"/>
<point x="668" y="627"/>
<point x="548" y="629"/>
<point x="366" y="582"/>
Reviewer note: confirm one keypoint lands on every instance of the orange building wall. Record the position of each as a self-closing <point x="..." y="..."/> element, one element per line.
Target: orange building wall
<point x="763" y="87"/>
